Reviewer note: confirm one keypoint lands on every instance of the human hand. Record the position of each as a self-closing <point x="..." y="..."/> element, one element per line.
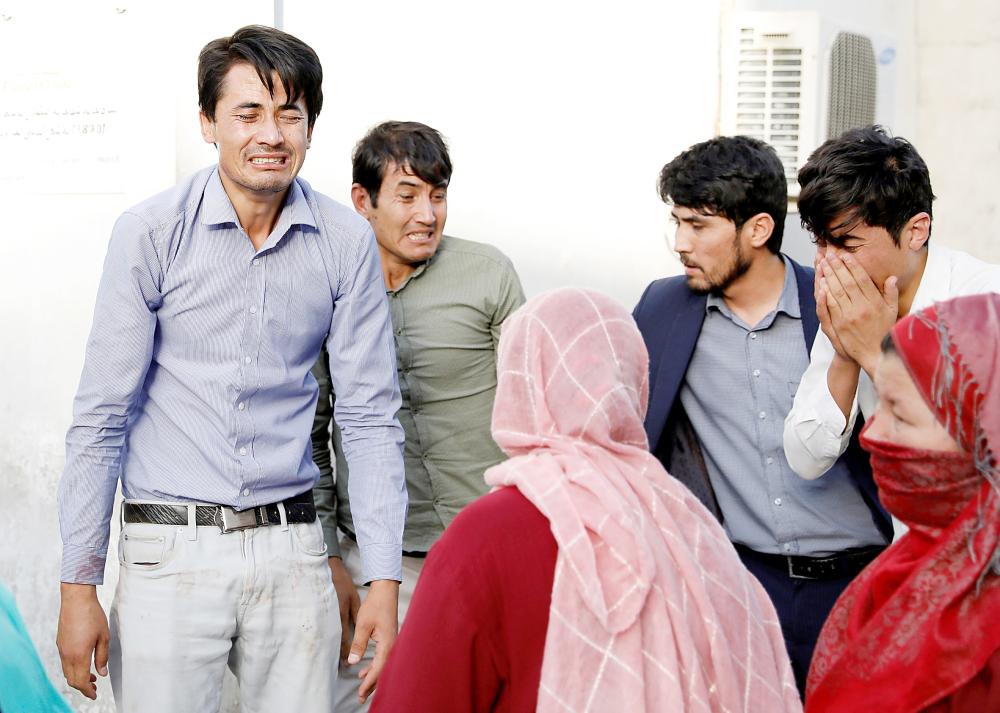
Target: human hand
<point x="860" y="313"/>
<point x="378" y="619"/>
<point x="350" y="601"/>
<point x="823" y="312"/>
<point x="83" y="633"/>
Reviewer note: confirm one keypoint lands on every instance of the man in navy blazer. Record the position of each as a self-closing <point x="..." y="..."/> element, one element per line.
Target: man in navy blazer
<point x="728" y="342"/>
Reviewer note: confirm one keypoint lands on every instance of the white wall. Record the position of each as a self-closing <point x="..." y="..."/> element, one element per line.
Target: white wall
<point x="958" y="120"/>
<point x="559" y="116"/>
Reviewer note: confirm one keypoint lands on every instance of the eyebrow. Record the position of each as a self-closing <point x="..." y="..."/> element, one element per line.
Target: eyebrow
<point x="258" y="105"/>
<point x="694" y="218"/>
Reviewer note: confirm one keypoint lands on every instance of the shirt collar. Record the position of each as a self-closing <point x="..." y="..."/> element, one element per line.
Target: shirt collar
<point x="934" y="281"/>
<point x="419" y="269"/>
<point x="217" y="209"/>
<point x="788" y="302"/>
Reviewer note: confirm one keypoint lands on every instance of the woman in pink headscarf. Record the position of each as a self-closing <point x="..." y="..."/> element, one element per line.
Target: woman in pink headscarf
<point x="919" y="629"/>
<point x="588" y="580"/>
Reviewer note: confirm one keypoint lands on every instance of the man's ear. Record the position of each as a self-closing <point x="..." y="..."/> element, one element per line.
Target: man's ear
<point x="361" y="200"/>
<point x="207" y="128"/>
<point x="916" y="232"/>
<point x="309" y="137"/>
<point x="760" y="227"/>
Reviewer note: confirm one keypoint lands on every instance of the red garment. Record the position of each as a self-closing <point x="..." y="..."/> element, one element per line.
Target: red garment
<point x="919" y="630"/>
<point x="475" y="631"/>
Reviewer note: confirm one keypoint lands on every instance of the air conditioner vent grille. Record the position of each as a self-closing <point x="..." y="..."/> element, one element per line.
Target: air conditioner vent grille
<point x="769" y="84"/>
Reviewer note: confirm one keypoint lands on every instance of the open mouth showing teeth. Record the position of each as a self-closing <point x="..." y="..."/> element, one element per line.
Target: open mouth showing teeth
<point x="266" y="161"/>
<point x="419" y="237"/>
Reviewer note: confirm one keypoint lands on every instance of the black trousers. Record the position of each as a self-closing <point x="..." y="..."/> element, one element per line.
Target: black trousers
<point x="802" y="605"/>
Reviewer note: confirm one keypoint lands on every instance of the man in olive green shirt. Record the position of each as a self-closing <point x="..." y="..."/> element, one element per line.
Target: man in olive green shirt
<point x="448" y="298"/>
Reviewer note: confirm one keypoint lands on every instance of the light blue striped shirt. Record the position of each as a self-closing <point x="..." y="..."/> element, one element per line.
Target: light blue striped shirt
<point x="197" y="385"/>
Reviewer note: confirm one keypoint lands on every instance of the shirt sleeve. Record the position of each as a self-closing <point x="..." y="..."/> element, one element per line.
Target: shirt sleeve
<point x="816" y="432"/>
<point x="117" y="358"/>
<point x="324" y="492"/>
<point x="363" y="377"/>
<point x="510" y="298"/>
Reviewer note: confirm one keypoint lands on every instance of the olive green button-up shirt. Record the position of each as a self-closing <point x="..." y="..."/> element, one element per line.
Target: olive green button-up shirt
<point x="446" y="320"/>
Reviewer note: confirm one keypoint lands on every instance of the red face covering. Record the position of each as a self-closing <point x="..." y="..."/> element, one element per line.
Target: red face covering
<point x="920" y="623"/>
<point x="925" y="489"/>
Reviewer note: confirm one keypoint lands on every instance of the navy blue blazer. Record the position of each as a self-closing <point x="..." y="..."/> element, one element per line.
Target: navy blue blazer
<point x="670" y="316"/>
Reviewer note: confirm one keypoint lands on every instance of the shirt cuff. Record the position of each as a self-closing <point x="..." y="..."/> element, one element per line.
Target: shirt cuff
<point x="381" y="561"/>
<point x="832" y="420"/>
<point x="82" y="565"/>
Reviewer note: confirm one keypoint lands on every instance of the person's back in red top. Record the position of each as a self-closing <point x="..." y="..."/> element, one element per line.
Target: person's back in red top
<point x="474" y="634"/>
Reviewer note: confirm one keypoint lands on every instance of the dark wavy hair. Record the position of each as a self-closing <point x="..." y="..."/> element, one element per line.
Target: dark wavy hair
<point x="863" y="175"/>
<point x="270" y="52"/>
<point x="735" y="177"/>
<point x="413" y="146"/>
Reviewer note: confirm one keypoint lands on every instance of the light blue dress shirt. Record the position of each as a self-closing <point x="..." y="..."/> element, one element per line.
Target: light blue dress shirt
<point x="197" y="385"/>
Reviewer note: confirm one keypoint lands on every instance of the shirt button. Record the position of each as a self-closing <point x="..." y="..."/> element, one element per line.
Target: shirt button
<point x="788" y="548"/>
<point x="242" y="405"/>
<point x="399" y="331"/>
<point x="243" y="451"/>
<point x="247" y="359"/>
<point x="756" y="372"/>
<point x="394" y="295"/>
<point x="770" y="460"/>
<point x="762" y="415"/>
<point x="777" y="501"/>
<point x="753" y="335"/>
<point x="256" y="262"/>
<point x="246" y="492"/>
<point x="253" y="310"/>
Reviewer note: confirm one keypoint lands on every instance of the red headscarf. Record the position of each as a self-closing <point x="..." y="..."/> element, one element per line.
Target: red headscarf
<point x="924" y="618"/>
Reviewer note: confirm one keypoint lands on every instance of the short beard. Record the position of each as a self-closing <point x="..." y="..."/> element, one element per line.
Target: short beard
<point x="733" y="271"/>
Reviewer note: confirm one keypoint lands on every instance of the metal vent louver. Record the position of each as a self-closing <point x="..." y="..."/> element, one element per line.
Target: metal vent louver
<point x="769" y="93"/>
<point x="852" y="84"/>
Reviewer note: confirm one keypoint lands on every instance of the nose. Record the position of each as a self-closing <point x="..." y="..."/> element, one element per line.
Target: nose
<point x="268" y="132"/>
<point x="424" y="210"/>
<point x="682" y="240"/>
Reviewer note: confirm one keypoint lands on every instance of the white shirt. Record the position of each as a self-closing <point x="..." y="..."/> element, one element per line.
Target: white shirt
<point x="816" y="432"/>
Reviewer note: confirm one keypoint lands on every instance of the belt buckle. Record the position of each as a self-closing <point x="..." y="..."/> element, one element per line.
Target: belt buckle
<point x="230" y="520"/>
<point x="791" y="571"/>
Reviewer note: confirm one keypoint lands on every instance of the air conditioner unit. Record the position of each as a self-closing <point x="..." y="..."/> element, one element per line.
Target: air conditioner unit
<point x="795" y="80"/>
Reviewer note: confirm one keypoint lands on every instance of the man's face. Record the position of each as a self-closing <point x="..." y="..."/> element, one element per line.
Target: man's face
<point x="262" y="140"/>
<point x="409" y="218"/>
<point x="710" y="249"/>
<point x="871" y="247"/>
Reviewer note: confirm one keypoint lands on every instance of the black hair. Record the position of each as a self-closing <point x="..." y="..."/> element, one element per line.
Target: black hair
<point x="864" y="175"/>
<point x="269" y="51"/>
<point x="414" y="147"/>
<point x="735" y="177"/>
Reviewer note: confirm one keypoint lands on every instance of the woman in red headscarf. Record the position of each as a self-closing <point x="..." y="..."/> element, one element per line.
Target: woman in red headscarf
<point x="919" y="629"/>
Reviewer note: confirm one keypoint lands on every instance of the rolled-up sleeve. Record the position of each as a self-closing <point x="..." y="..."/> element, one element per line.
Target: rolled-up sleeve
<point x="117" y="359"/>
<point x="816" y="432"/>
<point x="363" y="376"/>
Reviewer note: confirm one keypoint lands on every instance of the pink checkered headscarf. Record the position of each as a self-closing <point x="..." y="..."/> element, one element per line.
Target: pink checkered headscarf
<point x="651" y="610"/>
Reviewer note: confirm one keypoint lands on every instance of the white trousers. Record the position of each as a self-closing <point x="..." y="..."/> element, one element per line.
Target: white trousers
<point x="346" y="687"/>
<point x="192" y="600"/>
